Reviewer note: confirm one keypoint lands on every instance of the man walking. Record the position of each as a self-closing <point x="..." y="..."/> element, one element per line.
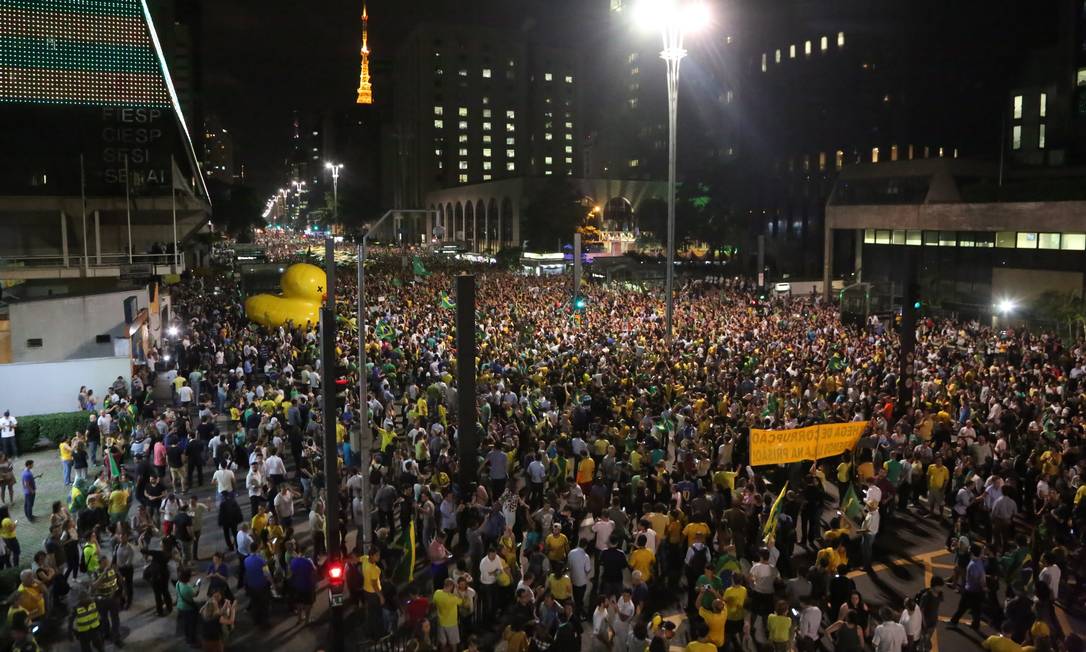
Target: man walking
<point x="972" y="591"/>
<point x="30" y="490"/>
<point x="7" y="434"/>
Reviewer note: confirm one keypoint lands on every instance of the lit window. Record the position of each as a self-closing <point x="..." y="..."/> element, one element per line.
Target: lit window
<point x="462" y="125"/>
<point x="569" y="149"/>
<point x="1016" y="137"/>
<point x="486" y="73"/>
<point x="635" y="71"/>
<point x="840" y="39"/>
<point x="463" y="165"/>
<point x="940" y="152"/>
<point x="486" y="113"/>
<point x="548" y="136"/>
<point x="487" y="165"/>
<point x="548" y="171"/>
<point x="777" y="56"/>
<point x="463" y="72"/>
<point x="510" y="166"/>
<point x="439" y="124"/>
<point x="791" y="51"/>
<point x="729" y="96"/>
<point x="547" y="160"/>
<point x="1044" y="104"/>
<point x="569" y="136"/>
<point x="893" y="152"/>
<point x="632" y="102"/>
<point x="634" y="162"/>
<point x="510" y="153"/>
<point x="807" y="48"/>
<point x="487" y="177"/>
<point x="1073" y="242"/>
<point x="437" y="152"/>
<point x="510" y="114"/>
<point x="486" y="100"/>
<point x="1017" y="112"/>
<point x="569" y="79"/>
<point x="486" y="152"/>
<point x="510" y="141"/>
<point x="1026" y="240"/>
<point x="911" y="152"/>
<point x="569" y="159"/>
<point x="486" y="126"/>
<point x="822" y="161"/>
<point x="569" y="125"/>
<point x="839" y="159"/>
<point x="631" y="58"/>
<point x="509" y="126"/>
<point x="874" y="154"/>
<point x="1041" y="136"/>
<point x="1048" y="241"/>
<point x="824" y="44"/>
<point x="463" y="151"/>
<point x="462" y="138"/>
<point x="764" y="59"/>
<point x="439" y="110"/>
<point x="462" y="178"/>
<point x="462" y="112"/>
<point x="547" y="76"/>
<point x="1080" y="77"/>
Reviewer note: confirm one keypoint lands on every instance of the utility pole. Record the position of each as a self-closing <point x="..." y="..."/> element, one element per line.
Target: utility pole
<point x="467" y="435"/>
<point x="328" y="413"/>
<point x="576" y="265"/>
<point x="365" y="439"/>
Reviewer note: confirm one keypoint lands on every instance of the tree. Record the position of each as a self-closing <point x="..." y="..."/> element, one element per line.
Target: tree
<point x="552" y="214"/>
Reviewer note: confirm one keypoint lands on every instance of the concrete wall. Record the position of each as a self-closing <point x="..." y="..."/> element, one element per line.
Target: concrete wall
<point x="44" y="387"/>
<point x="68" y="326"/>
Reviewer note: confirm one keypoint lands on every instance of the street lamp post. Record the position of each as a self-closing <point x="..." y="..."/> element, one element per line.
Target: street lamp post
<point x="335" y="168"/>
<point x="675" y="19"/>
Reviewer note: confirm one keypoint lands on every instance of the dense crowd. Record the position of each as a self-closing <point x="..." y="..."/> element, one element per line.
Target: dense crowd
<point x="614" y="492"/>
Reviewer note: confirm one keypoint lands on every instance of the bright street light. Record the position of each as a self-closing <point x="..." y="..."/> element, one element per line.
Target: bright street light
<point x="1006" y="306"/>
<point x="335" y="168"/>
<point x="674" y="19"/>
<point x="172" y="331"/>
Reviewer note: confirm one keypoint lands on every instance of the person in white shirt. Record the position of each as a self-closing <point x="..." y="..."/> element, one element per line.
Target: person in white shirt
<point x="274" y="468"/>
<point x="869" y="530"/>
<point x="873" y="492"/>
<point x="7" y="434"/>
<point x="224" y="482"/>
<point x="912" y="619"/>
<point x="284" y="504"/>
<point x="489" y="568"/>
<point x="603" y="529"/>
<point x="1050" y="576"/>
<point x="889" y="635"/>
<point x="580" y="571"/>
<point x="254" y="483"/>
<point x="810" y="621"/>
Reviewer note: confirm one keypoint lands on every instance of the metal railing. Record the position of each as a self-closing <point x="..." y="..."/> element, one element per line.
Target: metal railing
<point x="105" y="260"/>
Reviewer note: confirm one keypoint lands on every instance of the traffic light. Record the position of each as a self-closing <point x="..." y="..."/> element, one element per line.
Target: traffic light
<point x="336" y="572"/>
<point x="916" y="304"/>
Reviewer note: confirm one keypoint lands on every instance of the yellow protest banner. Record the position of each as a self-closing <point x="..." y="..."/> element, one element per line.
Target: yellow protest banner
<point x="810" y="443"/>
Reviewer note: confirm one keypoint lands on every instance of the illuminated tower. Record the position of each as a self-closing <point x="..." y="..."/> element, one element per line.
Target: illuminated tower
<point x="365" y="90"/>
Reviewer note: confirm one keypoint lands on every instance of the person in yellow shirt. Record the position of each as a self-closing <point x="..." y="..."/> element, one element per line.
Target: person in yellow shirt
<point x="372" y="596"/>
<point x="260" y="521"/>
<point x="66" y="460"/>
<point x="937" y="479"/>
<point x="586" y="470"/>
<point x="702" y="644"/>
<point x="448" y="604"/>
<point x="780" y="627"/>
<point x="560" y="585"/>
<point x="695" y="529"/>
<point x="1001" y="642"/>
<point x="642" y="559"/>
<point x="556" y="544"/>
<point x="715" y="619"/>
<point x="735" y="600"/>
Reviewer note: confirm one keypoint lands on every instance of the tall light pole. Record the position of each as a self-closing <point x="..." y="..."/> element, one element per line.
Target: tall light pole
<point x="674" y="19"/>
<point x="335" y="168"/>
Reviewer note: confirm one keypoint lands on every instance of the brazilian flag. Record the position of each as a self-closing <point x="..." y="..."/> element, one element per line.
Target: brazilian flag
<point x="850" y="504"/>
<point x="418" y="268"/>
<point x="384" y="331"/>
<point x="445" y="302"/>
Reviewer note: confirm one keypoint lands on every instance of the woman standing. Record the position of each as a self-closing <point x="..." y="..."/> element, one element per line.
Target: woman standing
<point x="7" y="480"/>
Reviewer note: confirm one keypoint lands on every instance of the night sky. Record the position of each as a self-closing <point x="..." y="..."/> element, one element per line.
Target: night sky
<point x="264" y="59"/>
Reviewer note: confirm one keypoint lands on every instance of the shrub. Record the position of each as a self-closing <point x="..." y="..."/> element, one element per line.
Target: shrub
<point x="50" y="426"/>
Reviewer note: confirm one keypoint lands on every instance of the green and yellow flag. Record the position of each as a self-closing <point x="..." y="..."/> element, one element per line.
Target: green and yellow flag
<point x="850" y="504"/>
<point x="445" y="302"/>
<point x="770" y="529"/>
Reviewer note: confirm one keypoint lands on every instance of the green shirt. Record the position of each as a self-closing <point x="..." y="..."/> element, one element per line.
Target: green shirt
<point x="186" y="597"/>
<point x="707" y="598"/>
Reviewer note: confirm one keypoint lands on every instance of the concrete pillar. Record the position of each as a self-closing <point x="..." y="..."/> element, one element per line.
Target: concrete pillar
<point x="475" y="229"/>
<point x="64" y="237"/>
<point x="827" y="261"/>
<point x="859" y="263"/>
<point x="501" y="233"/>
<point x="97" y="238"/>
<point x="516" y="224"/>
<point x="486" y="227"/>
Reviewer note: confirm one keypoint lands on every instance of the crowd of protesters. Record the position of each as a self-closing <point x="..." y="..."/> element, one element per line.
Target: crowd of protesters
<point x="614" y="498"/>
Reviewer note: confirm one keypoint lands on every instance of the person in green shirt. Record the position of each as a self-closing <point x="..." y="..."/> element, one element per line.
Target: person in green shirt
<point x="187" y="609"/>
<point x="711" y="587"/>
<point x="448" y="604"/>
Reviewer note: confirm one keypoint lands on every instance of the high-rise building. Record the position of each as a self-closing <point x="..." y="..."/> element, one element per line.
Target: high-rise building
<point x="474" y="104"/>
<point x="180" y="32"/>
<point x="218" y="151"/>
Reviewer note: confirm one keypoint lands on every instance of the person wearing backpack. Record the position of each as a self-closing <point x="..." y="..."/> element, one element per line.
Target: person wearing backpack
<point x="697" y="558"/>
<point x="929" y="601"/>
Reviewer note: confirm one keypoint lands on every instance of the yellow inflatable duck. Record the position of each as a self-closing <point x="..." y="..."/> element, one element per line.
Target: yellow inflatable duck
<point x="303" y="293"/>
